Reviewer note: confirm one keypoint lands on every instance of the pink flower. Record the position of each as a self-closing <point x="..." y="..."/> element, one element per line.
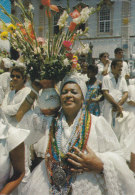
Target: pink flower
<point x="40" y="40"/>
<point x="69" y="55"/>
<point x="67" y="44"/>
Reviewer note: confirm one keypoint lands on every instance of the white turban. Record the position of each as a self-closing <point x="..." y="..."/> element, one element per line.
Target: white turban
<point x="77" y="78"/>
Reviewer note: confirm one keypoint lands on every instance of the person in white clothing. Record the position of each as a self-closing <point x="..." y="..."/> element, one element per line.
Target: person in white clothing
<point x="14" y="98"/>
<point x="125" y="126"/>
<point x="118" y="52"/>
<point x="11" y="156"/>
<point x="103" y="66"/>
<point x="115" y="91"/>
<point x="5" y="78"/>
<point x="82" y="153"/>
<point x="12" y="102"/>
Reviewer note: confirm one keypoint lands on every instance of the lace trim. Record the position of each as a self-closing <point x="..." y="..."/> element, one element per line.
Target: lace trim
<point x="111" y="179"/>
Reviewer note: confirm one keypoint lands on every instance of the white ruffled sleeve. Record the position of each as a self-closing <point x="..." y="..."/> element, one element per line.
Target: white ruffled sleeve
<point x="15" y="137"/>
<point x="36" y="123"/>
<point x="118" y="177"/>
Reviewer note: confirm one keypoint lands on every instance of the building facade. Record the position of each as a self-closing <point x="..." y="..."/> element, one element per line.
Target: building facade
<point x="113" y="26"/>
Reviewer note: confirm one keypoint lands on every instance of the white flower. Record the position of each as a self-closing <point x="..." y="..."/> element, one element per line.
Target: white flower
<point x="66" y="62"/>
<point x="37" y="50"/>
<point x="84" y="49"/>
<point x="7" y="62"/>
<point x="84" y="15"/>
<point x="77" y="20"/>
<point x="20" y="64"/>
<point x="62" y="21"/>
<point x="31" y="7"/>
<point x="80" y="32"/>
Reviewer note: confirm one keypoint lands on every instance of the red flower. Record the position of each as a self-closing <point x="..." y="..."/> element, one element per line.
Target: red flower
<point x="45" y="2"/>
<point x="75" y="14"/>
<point x="67" y="44"/>
<point x="19" y="25"/>
<point x="32" y="35"/>
<point x="69" y="55"/>
<point x="72" y="26"/>
<point x="54" y="8"/>
<point x="23" y="31"/>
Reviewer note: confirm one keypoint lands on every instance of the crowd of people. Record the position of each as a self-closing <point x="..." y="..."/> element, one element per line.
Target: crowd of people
<point x="86" y="145"/>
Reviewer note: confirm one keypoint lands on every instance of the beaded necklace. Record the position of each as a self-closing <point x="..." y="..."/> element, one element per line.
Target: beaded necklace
<point x="58" y="168"/>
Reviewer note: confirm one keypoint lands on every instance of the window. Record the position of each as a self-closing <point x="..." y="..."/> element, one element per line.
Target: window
<point x="56" y="18"/>
<point x="56" y="27"/>
<point x="105" y="20"/>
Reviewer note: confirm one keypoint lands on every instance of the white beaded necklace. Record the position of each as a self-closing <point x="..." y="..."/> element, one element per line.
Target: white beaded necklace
<point x="65" y="141"/>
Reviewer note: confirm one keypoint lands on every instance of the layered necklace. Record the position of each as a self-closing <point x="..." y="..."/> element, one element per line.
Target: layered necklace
<point x="58" y="168"/>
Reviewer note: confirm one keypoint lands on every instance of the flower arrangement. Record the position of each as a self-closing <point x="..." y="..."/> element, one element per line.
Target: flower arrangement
<point x="49" y="58"/>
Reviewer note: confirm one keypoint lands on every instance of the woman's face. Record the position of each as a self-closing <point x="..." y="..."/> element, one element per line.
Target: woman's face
<point x="71" y="98"/>
<point x="104" y="58"/>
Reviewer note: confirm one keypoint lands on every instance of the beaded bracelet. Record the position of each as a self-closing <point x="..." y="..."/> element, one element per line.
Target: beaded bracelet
<point x="29" y="99"/>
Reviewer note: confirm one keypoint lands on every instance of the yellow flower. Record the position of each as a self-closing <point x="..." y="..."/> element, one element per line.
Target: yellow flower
<point x="4" y="26"/>
<point x="78" y="67"/>
<point x="11" y="28"/>
<point x="75" y="57"/>
<point x="4" y="35"/>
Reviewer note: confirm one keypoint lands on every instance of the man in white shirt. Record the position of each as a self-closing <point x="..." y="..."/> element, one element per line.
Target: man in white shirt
<point x="115" y="90"/>
<point x="118" y="52"/>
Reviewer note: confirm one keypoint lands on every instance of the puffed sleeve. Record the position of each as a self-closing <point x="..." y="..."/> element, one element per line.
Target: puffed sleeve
<point x="36" y="123"/>
<point x="15" y="137"/>
<point x="118" y="177"/>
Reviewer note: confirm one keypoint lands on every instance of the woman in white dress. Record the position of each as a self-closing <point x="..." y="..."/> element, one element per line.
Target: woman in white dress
<point x="11" y="156"/>
<point x="82" y="152"/>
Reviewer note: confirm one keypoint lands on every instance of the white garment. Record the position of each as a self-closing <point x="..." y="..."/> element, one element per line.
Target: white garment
<point x="12" y="102"/>
<point x="5" y="83"/>
<point x="101" y="67"/>
<point x="117" y="179"/>
<point x="36" y="122"/>
<point x="125" y="127"/>
<point x="2" y="95"/>
<point x="10" y="137"/>
<point x="116" y="90"/>
<point x="10" y="106"/>
<point x="125" y="69"/>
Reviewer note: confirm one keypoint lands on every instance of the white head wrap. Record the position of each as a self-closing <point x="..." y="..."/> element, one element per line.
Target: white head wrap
<point x="76" y="78"/>
<point x="7" y="62"/>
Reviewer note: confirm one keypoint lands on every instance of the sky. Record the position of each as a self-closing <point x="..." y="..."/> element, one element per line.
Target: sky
<point x="7" y="5"/>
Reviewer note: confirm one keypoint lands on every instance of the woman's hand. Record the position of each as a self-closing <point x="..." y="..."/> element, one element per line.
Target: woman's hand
<point x="85" y="162"/>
